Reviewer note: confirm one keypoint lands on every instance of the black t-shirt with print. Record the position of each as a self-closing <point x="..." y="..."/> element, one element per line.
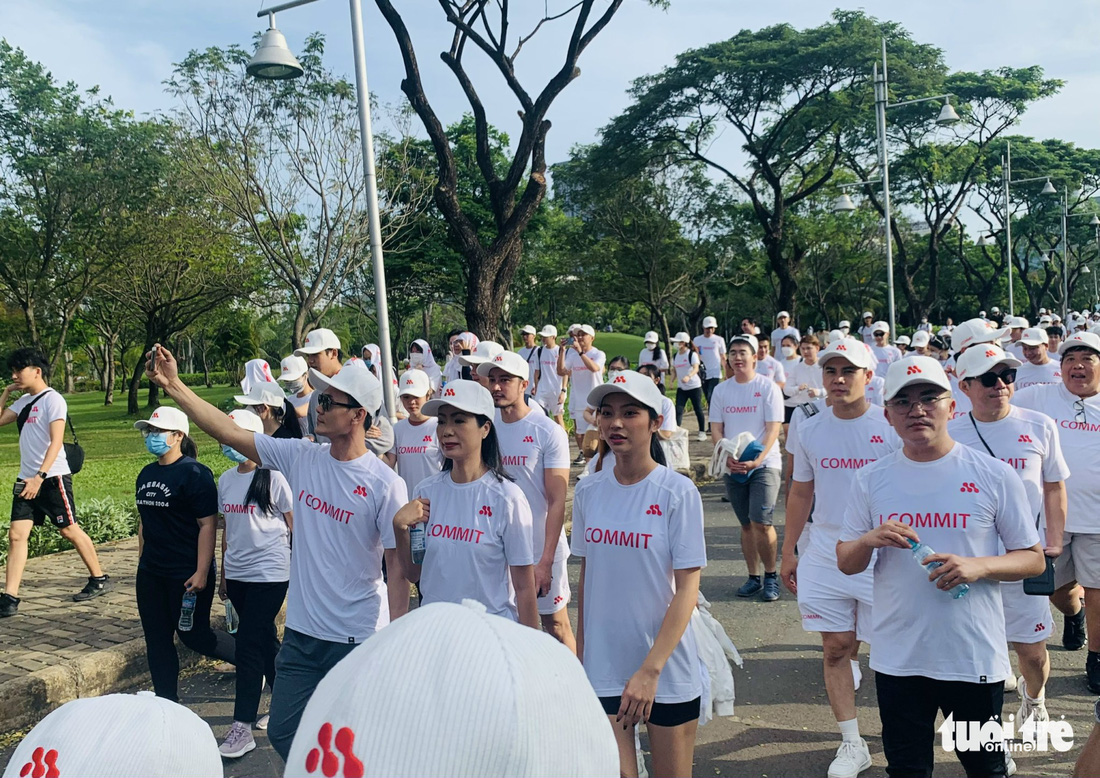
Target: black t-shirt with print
<point x="171" y="499"/>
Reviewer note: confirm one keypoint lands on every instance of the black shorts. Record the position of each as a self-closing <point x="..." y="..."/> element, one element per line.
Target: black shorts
<point x="788" y="412"/>
<point x="53" y="504"/>
<point x="662" y="714"/>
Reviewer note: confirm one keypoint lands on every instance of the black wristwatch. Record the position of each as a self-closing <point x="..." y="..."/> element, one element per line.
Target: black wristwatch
<point x="41" y="474"/>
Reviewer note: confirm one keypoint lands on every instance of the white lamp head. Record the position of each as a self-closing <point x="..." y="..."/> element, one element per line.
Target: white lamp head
<point x="1085" y="269"/>
<point x="947" y="115"/>
<point x="984" y="241"/>
<point x="1094" y="221"/>
<point x="273" y="59"/>
<point x="1048" y="188"/>
<point x="843" y="204"/>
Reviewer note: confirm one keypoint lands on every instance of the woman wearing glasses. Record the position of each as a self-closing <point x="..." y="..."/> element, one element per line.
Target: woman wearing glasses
<point x="177" y="501"/>
<point x="477" y="524"/>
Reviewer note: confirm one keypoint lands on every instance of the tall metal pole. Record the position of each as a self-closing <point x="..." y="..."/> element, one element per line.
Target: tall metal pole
<point x="1006" y="172"/>
<point x="1065" y="256"/>
<point x="374" y="225"/>
<point x="880" y="118"/>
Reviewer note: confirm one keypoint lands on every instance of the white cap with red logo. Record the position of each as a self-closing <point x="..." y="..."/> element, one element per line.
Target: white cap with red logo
<point x="1087" y="340"/>
<point x="125" y="735"/>
<point x="292" y="368"/>
<point x="509" y="362"/>
<point x="469" y="396"/>
<point x="505" y="699"/>
<point x="317" y="341"/>
<point x="414" y="383"/>
<point x="921" y="338"/>
<point x="1035" y="336"/>
<point x="485" y="351"/>
<point x="358" y="384"/>
<point x="914" y="370"/>
<point x="268" y="393"/>
<point x="549" y="331"/>
<point x="978" y="361"/>
<point x="710" y="323"/>
<point x="633" y="383"/>
<point x="166" y="418"/>
<point x="974" y="331"/>
<point x="247" y="420"/>
<point x="854" y="351"/>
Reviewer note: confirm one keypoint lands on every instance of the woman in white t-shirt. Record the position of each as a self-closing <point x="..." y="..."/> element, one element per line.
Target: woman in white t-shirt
<point x="478" y="526"/>
<point x="415" y="450"/>
<point x="654" y="355"/>
<point x="421" y="358"/>
<point x="256" y="506"/>
<point x="689" y="385"/>
<point x="638" y="529"/>
<point x="293" y="375"/>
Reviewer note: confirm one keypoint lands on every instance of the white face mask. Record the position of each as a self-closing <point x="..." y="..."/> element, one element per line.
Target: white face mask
<point x="416" y="360"/>
<point x="612" y="375"/>
<point x="788" y="351"/>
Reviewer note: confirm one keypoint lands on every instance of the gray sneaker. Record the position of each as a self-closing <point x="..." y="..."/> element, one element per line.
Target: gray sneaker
<point x="771" y="589"/>
<point x="238" y="741"/>
<point x="750" y="588"/>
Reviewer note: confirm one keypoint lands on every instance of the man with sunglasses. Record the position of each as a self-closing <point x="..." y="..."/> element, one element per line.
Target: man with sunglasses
<point x="345" y="501"/>
<point x="1028" y="441"/>
<point x="1074" y="404"/>
<point x="931" y="651"/>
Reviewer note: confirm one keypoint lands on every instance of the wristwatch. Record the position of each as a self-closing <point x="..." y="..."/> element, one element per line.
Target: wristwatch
<point x="41" y="474"/>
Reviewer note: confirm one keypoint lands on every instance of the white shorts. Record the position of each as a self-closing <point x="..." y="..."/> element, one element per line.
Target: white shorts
<point x="560" y="594"/>
<point x="580" y="425"/>
<point x="552" y="403"/>
<point x="1027" y="616"/>
<point x="1080" y="560"/>
<point x="831" y="601"/>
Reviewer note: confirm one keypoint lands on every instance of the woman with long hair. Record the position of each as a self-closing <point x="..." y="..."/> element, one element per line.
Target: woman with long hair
<point x="478" y="526"/>
<point x="257" y="507"/>
<point x="279" y="416"/>
<point x="177" y="502"/>
<point x="638" y="528"/>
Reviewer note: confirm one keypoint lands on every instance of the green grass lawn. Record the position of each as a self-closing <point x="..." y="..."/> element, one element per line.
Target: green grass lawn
<point x="115" y="450"/>
<point x="619" y="343"/>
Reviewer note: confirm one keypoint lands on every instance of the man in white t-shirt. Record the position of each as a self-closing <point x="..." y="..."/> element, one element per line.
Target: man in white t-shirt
<point x="768" y="366"/>
<point x="885" y="354"/>
<point x="712" y="350"/>
<point x="867" y="329"/>
<point x="783" y="329"/>
<point x="535" y="452"/>
<point x="828" y="449"/>
<point x="583" y="365"/>
<point x="1028" y="441"/>
<point x="1038" y="367"/>
<point x="345" y="501"/>
<point x="1074" y="404"/>
<point x="924" y="325"/>
<point x="749" y="402"/>
<point x="549" y="387"/>
<point x="1016" y="326"/>
<point x="44" y="487"/>
<point x="931" y="651"/>
<point x="529" y="349"/>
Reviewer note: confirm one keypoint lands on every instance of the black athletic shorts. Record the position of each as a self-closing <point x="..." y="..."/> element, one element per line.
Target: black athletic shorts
<point x="53" y="504"/>
<point x="662" y="714"/>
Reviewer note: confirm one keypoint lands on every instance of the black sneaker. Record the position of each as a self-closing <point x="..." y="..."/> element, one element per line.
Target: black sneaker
<point x="771" y="589"/>
<point x="750" y="588"/>
<point x="1092" y="672"/>
<point x="8" y="605"/>
<point x="94" y="588"/>
<point x="580" y="460"/>
<point x="1073" y="631"/>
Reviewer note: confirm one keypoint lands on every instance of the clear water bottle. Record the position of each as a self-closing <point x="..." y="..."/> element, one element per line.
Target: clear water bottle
<point x="417" y="535"/>
<point x="187" y="612"/>
<point x="232" y="620"/>
<point x="922" y="552"/>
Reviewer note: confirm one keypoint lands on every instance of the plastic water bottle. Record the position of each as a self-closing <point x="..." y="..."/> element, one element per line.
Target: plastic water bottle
<point x="416" y="541"/>
<point x="232" y="620"/>
<point x="922" y="552"/>
<point x="187" y="612"/>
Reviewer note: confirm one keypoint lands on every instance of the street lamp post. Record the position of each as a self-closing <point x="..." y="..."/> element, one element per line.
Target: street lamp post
<point x="273" y="60"/>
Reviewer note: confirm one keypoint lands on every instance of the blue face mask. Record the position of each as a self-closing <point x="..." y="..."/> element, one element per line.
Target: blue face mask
<point x="233" y="455"/>
<point x="157" y="443"/>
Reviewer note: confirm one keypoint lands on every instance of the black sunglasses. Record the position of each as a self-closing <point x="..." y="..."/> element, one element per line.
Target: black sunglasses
<point x="325" y="403"/>
<point x="989" y="380"/>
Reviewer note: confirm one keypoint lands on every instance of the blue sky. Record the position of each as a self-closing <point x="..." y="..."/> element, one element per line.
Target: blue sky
<point x="127" y="47"/>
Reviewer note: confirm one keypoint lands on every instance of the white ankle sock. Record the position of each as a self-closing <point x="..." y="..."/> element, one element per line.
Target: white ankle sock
<point x="849" y="730"/>
<point x="857" y="674"/>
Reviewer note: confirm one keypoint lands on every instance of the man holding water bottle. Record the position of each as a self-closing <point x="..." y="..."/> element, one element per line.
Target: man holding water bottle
<point x="931" y="650"/>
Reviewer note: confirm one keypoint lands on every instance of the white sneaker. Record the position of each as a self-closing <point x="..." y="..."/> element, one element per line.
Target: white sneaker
<point x="1010" y="683"/>
<point x="1036" y="709"/>
<point x="261" y="723"/>
<point x="1010" y="765"/>
<point x="852" y="758"/>
<point x="857" y="675"/>
<point x="701" y="437"/>
<point x="238" y="741"/>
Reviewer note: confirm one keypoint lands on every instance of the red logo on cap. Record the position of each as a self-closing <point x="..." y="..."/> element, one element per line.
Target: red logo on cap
<point x="408" y="382"/>
<point x="654" y="510"/>
<point x="43" y="764"/>
<point x="1024" y="439"/>
<point x="528" y="439"/>
<point x="427" y="439"/>
<point x="449" y="393"/>
<point x="841" y="347"/>
<point x="500" y="358"/>
<point x="913" y="369"/>
<point x="360" y="491"/>
<point x="990" y="352"/>
<point x="485" y="511"/>
<point x="328" y="761"/>
<point x="619" y="380"/>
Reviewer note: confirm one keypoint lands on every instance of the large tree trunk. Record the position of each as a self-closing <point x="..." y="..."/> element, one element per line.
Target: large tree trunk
<point x="108" y="381"/>
<point x="428" y="321"/>
<point x="135" y="384"/>
<point x="70" y="379"/>
<point x="490" y="276"/>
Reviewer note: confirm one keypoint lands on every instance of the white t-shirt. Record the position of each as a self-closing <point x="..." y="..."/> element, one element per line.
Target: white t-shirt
<point x="343" y="518"/>
<point x="799" y="374"/>
<point x="772" y="368"/>
<point x="452" y="370"/>
<point x="528" y="448"/>
<point x="963" y="405"/>
<point x="34" y="438"/>
<point x="475" y="532"/>
<point x="884" y="357"/>
<point x="876" y="390"/>
<point x="779" y="333"/>
<point x="684" y="363"/>
<point x="1028" y="442"/>
<point x="582" y="379"/>
<point x="713" y="352"/>
<point x="1079" y="433"/>
<point x="963" y="503"/>
<point x="867" y="332"/>
<point x="549" y="387"/>
<point x="828" y="451"/>
<point x="802" y="412"/>
<point x="1028" y="374"/>
<point x="297" y="401"/>
<point x="417" y="450"/>
<point x="645" y="357"/>
<point x="748" y="407"/>
<point x="668" y="415"/>
<point x="530" y="355"/>
<point x="257" y="544"/>
<point x="633" y="538"/>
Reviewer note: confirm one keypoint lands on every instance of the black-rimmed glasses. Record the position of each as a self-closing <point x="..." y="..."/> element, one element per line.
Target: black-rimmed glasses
<point x="903" y="405"/>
